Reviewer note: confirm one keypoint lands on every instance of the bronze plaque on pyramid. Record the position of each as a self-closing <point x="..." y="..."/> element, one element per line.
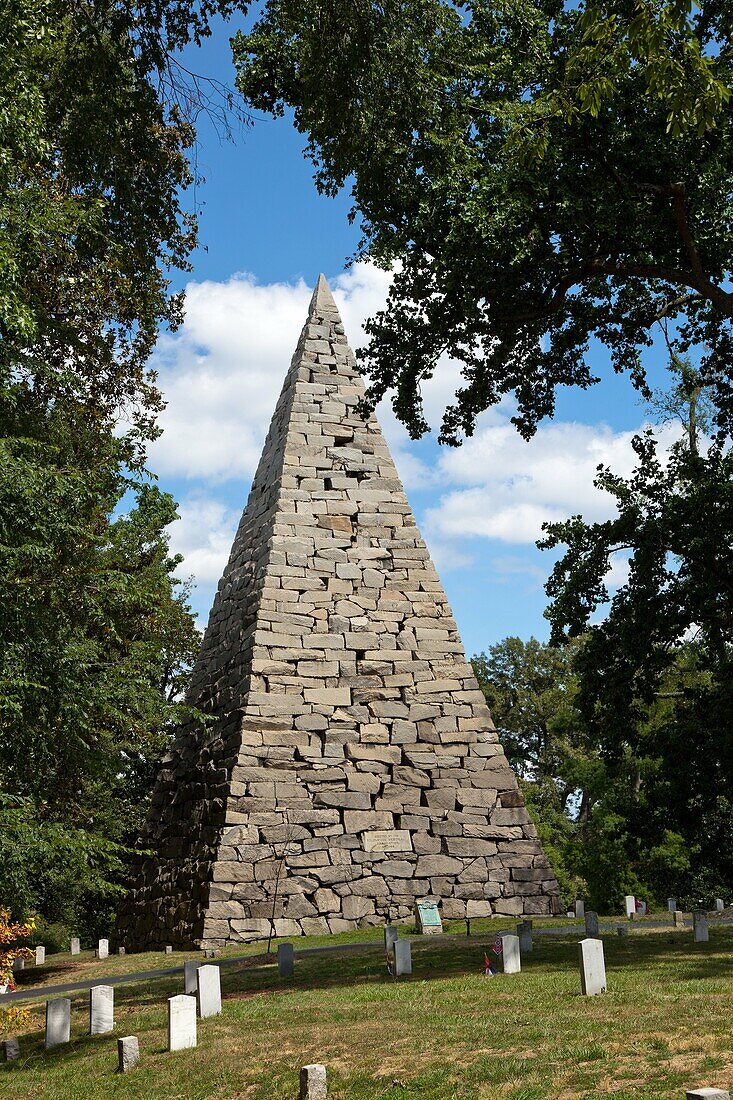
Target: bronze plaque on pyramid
<point x="350" y="765"/>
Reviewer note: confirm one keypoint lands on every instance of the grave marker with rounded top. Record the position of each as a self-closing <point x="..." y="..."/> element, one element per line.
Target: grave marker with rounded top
<point x="285" y="960"/>
<point x="579" y="908"/>
<point x="103" y="949"/>
<point x="592" y="967"/>
<point x="402" y="958"/>
<point x="190" y="972"/>
<point x="11" y="1048"/>
<point x="671" y="905"/>
<point x="313" y="1082"/>
<point x="76" y="946"/>
<point x="390" y="937"/>
<point x="181" y="1022"/>
<point x="700" y="926"/>
<point x="510" y="953"/>
<point x="128" y="1053"/>
<point x="707" y="1094"/>
<point x="58" y="1022"/>
<point x="524" y="931"/>
<point x="101" y="1009"/>
<point x="630" y="903"/>
<point x="208" y="991"/>
<point x="40" y="956"/>
<point x="591" y="923"/>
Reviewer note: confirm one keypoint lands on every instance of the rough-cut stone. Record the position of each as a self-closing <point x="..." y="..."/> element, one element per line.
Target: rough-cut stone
<point x="707" y="1094"/>
<point x="181" y="1022"/>
<point x="101" y="1009"/>
<point x="128" y="1053"/>
<point x="11" y="1048"/>
<point x="350" y="764"/>
<point x="313" y="1082"/>
<point x="58" y="1022"/>
<point x="592" y="967"/>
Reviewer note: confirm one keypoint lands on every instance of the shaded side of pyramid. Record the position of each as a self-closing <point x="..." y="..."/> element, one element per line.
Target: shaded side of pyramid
<point x="350" y="765"/>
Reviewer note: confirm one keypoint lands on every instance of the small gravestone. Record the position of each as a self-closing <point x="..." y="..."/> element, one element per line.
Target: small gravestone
<point x="103" y="949"/>
<point x="402" y="958"/>
<point x="580" y="908"/>
<point x="719" y="904"/>
<point x="678" y="918"/>
<point x="621" y="930"/>
<point x="181" y="1022"/>
<point x="11" y="1047"/>
<point x="390" y="937"/>
<point x="510" y="954"/>
<point x="76" y="946"/>
<point x="427" y="918"/>
<point x="128" y="1053"/>
<point x="190" y="971"/>
<point x="208" y="992"/>
<point x="40" y="956"/>
<point x="18" y="964"/>
<point x="313" y="1082"/>
<point x="120" y="951"/>
<point x="58" y="1022"/>
<point x="700" y="926"/>
<point x="285" y="960"/>
<point x="671" y="905"/>
<point x="630" y="903"/>
<point x="592" y="967"/>
<point x="591" y="923"/>
<point x="101" y="1009"/>
<point x="168" y="949"/>
<point x="570" y="913"/>
<point x="707" y="1094"/>
<point x="524" y="931"/>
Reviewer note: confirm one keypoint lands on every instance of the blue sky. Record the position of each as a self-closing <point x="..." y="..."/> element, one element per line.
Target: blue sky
<point x="265" y="235"/>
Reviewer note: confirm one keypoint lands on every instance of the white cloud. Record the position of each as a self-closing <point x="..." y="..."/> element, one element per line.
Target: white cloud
<point x="508" y="487"/>
<point x="203" y="534"/>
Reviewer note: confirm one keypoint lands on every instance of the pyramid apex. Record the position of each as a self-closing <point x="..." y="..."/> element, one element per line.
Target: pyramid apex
<point x="322" y="296"/>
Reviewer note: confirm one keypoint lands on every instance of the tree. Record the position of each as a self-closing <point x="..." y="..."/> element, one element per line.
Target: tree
<point x="543" y="174"/>
<point x="655" y="674"/>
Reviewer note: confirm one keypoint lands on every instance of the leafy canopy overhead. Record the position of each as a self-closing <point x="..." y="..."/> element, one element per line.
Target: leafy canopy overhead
<point x="542" y="173"/>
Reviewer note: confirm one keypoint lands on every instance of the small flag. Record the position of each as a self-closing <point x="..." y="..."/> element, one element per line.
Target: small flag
<point x="488" y="972"/>
<point x="498" y="946"/>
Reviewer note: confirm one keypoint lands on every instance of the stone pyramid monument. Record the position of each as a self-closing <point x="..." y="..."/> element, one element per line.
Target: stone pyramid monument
<point x="349" y="765"/>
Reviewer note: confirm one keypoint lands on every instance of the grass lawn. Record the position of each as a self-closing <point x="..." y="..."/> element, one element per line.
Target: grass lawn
<point x="446" y="1034"/>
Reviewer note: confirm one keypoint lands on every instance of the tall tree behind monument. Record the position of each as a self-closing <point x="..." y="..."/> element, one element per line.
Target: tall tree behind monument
<point x="350" y="755"/>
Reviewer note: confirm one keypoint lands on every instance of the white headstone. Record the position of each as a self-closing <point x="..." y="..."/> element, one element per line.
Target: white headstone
<point x="313" y="1082"/>
<point x="570" y="913"/>
<point x="181" y="1022"/>
<point x="592" y="967"/>
<point x="168" y="949"/>
<point x="402" y="958"/>
<point x="101" y="1009"/>
<point x="208" y="992"/>
<point x="719" y="904"/>
<point x="76" y="946"/>
<point x="524" y="931"/>
<point x="128" y="1053"/>
<point x="678" y="918"/>
<point x="671" y="904"/>
<point x="120" y="951"/>
<point x="630" y="902"/>
<point x="12" y="1049"/>
<point x="580" y="908"/>
<point x="510" y="954"/>
<point x="103" y="949"/>
<point x="40" y="956"/>
<point x="700" y="926"/>
<point x="285" y="960"/>
<point x="190" y="970"/>
<point x="58" y="1022"/>
<point x="390" y="935"/>
<point x="591" y="923"/>
<point x="707" y="1094"/>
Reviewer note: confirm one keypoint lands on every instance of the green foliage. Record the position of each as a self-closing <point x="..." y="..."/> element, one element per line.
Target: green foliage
<point x="544" y="173"/>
